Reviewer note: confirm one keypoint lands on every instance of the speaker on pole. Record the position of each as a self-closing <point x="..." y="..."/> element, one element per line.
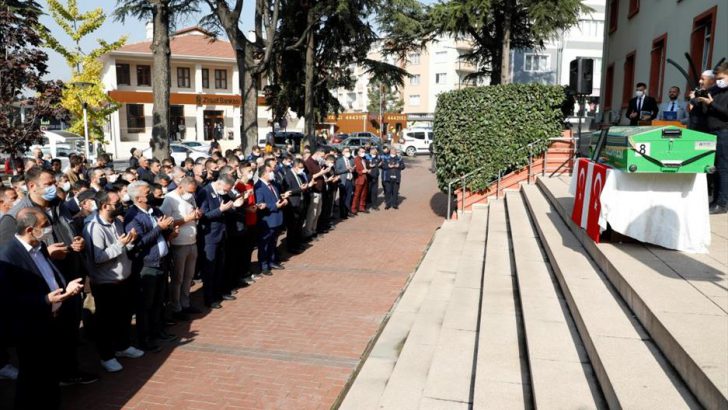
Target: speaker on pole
<point x="581" y="75"/>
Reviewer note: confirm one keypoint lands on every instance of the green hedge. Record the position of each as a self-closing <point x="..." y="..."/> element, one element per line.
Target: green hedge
<point x="491" y="127"/>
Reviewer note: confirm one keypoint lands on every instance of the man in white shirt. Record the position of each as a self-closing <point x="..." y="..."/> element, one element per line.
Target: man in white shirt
<point x="673" y="109"/>
<point x="180" y="205"/>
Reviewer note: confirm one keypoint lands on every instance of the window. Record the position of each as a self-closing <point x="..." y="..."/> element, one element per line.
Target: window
<point x="613" y="15"/>
<point x="608" y="87"/>
<point x="591" y="28"/>
<point x="205" y="78"/>
<point x="135" y="118"/>
<point x="414" y="58"/>
<point x="657" y="66"/>
<point x="177" y="118"/>
<point x="701" y="41"/>
<point x="221" y="79"/>
<point x="414" y="99"/>
<point x="122" y="74"/>
<point x="441" y="78"/>
<point x="183" y="77"/>
<point x="440" y="56"/>
<point x="536" y="63"/>
<point x="144" y="75"/>
<point x="418" y="135"/>
<point x="415" y="79"/>
<point x="634" y="8"/>
<point x="628" y="84"/>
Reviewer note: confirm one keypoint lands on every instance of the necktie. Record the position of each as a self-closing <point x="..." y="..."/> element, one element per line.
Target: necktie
<point x="639" y="104"/>
<point x="270" y="186"/>
<point x="672" y="106"/>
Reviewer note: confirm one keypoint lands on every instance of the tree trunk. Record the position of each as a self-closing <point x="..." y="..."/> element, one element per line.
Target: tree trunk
<point x="308" y="108"/>
<point x="250" y="99"/>
<point x="160" y="80"/>
<point x="505" y="71"/>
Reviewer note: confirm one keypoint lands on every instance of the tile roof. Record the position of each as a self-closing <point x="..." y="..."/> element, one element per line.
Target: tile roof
<point x="191" y="45"/>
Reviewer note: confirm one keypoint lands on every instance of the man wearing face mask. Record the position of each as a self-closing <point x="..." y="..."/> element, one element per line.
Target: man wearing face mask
<point x="297" y="184"/>
<point x="250" y="237"/>
<point x="314" y="209"/>
<point x="149" y="263"/>
<point x="392" y="167"/>
<point x="327" y="200"/>
<point x="345" y="170"/>
<point x="642" y="107"/>
<point x="373" y="177"/>
<point x="34" y="298"/>
<point x="87" y="202"/>
<point x="8" y="196"/>
<point x="716" y="103"/>
<point x="180" y="204"/>
<point x="361" y="184"/>
<point x="144" y="173"/>
<point x="98" y="179"/>
<point x="270" y="219"/>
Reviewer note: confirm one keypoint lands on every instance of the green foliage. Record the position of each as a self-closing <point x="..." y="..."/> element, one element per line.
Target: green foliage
<point x="491" y="127"/>
<point x="386" y="96"/>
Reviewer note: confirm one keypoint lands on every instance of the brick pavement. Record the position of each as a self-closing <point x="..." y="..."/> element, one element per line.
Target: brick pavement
<point x="290" y="341"/>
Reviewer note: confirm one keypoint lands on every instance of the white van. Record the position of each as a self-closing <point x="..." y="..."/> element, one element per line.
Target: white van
<point x="416" y="141"/>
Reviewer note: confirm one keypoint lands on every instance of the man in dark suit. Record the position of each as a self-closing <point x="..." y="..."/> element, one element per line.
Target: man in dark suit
<point x="34" y="297"/>
<point x="315" y="173"/>
<point x="144" y="173"/>
<point x="214" y="202"/>
<point x="344" y="169"/>
<point x="296" y="183"/>
<point x="149" y="263"/>
<point x="642" y="107"/>
<point x="270" y="219"/>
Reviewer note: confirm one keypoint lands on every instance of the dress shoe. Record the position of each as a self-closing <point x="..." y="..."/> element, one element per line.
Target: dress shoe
<point x="396" y="207"/>
<point x="181" y="316"/>
<point x="150" y="347"/>
<point x="387" y="207"/>
<point x="294" y="251"/>
<point x="718" y="209"/>
<point x="276" y="266"/>
<point x="191" y="310"/>
<point x="267" y="273"/>
<point x="169" y="322"/>
<point x="228" y="297"/>
<point x="352" y="214"/>
<point x="256" y="276"/>
<point x="167" y="337"/>
<point x="365" y="211"/>
<point x="214" y="305"/>
<point x="79" y="378"/>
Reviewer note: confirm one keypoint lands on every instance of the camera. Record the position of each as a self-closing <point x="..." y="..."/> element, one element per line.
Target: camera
<point x="701" y="93"/>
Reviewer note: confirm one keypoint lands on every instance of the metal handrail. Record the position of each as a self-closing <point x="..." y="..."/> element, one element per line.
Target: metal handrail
<point x="464" y="177"/>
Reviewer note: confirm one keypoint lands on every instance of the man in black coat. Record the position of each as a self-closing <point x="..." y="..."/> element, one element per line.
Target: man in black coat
<point x="642" y="107"/>
<point x="34" y="298"/>
<point x="295" y="182"/>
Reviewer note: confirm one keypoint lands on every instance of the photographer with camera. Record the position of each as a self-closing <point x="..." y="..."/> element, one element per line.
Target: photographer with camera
<point x="716" y="110"/>
<point x="698" y="119"/>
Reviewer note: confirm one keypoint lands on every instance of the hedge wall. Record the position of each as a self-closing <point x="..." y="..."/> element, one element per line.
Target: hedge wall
<point x="486" y="126"/>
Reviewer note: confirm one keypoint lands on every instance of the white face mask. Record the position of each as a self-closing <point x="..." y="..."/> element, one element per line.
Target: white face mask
<point x="92" y="206"/>
<point x="66" y="186"/>
<point x="186" y="196"/>
<point x="639" y="93"/>
<point x="125" y="198"/>
<point x="271" y="176"/>
<point x="347" y="154"/>
<point x="721" y="83"/>
<point x="362" y="155"/>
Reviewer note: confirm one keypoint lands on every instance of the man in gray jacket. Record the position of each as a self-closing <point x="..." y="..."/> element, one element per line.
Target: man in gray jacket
<point x="111" y="282"/>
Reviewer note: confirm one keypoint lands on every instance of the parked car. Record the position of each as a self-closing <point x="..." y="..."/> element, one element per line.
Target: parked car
<point x="179" y="153"/>
<point x="196" y="145"/>
<point x="355" y="143"/>
<point x="281" y="137"/>
<point x="339" y="138"/>
<point x="362" y="134"/>
<point x="416" y="141"/>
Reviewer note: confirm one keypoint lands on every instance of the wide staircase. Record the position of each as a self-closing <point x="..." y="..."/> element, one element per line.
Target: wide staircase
<point x="514" y="307"/>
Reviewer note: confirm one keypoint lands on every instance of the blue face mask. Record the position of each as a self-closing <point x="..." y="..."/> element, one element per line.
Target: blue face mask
<point x="49" y="193"/>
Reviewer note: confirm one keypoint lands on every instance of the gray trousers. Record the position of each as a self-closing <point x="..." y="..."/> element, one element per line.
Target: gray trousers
<point x="184" y="258"/>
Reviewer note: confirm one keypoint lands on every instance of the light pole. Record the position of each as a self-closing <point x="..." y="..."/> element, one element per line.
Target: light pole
<point x="83" y="85"/>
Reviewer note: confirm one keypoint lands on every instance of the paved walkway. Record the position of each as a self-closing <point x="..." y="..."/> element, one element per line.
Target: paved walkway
<point x="290" y="341"/>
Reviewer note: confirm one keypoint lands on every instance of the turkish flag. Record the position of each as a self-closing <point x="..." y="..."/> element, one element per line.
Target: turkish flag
<point x="587" y="205"/>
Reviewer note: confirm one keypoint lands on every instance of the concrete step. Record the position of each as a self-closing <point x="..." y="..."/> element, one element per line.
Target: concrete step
<point x="451" y="373"/>
<point x="434" y="284"/>
<point x="443" y="255"/>
<point x="681" y="299"/>
<point x="555" y="351"/>
<point x="631" y="370"/>
<point x="501" y="371"/>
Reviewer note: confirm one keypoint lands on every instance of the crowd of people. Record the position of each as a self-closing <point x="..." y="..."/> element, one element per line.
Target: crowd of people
<point x="130" y="244"/>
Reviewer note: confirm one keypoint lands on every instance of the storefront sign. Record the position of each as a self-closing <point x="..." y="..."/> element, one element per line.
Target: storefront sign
<point x="217" y="100"/>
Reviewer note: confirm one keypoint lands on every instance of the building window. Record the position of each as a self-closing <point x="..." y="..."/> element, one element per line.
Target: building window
<point x="591" y="28"/>
<point x="657" y="66"/>
<point x="536" y="63"/>
<point x="613" y="15"/>
<point x="441" y="78"/>
<point x="628" y="84"/>
<point x="221" y="79"/>
<point x="415" y="79"/>
<point x="634" y="8"/>
<point x="414" y="99"/>
<point x="135" y="118"/>
<point x="414" y="58"/>
<point x="122" y="74"/>
<point x="183" y="77"/>
<point x="144" y="75"/>
<point x="609" y="87"/>
<point x="441" y="56"/>
<point x="701" y="41"/>
<point x="205" y="78"/>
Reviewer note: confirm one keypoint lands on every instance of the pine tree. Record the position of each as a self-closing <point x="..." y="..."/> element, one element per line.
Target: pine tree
<point x="384" y="98"/>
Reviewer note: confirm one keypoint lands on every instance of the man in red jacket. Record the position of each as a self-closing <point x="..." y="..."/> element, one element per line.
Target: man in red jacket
<point x="361" y="184"/>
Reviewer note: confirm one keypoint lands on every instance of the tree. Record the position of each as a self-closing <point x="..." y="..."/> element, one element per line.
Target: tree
<point x="163" y="14"/>
<point x="497" y="26"/>
<point x="85" y="67"/>
<point x="22" y="65"/>
<point x="384" y="98"/>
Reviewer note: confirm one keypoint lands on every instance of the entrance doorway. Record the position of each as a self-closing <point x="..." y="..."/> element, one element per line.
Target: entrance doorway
<point x="214" y="125"/>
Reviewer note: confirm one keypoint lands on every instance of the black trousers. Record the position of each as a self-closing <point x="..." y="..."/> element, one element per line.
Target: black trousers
<point x="250" y="239"/>
<point x="39" y="375"/>
<point x="114" y="310"/>
<point x="720" y="194"/>
<point x="327" y="206"/>
<point x="294" y="226"/>
<point x="391" y="193"/>
<point x="233" y="272"/>
<point x="346" y="194"/>
<point x="213" y="269"/>
<point x="373" y="190"/>
<point x="67" y="331"/>
<point x="150" y="308"/>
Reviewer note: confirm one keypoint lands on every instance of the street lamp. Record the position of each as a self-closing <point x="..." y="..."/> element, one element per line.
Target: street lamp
<point x="83" y="85"/>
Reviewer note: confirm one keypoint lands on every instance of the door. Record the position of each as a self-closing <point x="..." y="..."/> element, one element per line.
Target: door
<point x="214" y="125"/>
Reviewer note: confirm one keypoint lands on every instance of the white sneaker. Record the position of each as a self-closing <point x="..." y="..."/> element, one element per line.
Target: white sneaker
<point x="111" y="365"/>
<point x="9" y="372"/>
<point x="130" y="352"/>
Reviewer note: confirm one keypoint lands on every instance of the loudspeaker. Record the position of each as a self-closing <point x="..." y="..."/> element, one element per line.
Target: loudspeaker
<point x="581" y="75"/>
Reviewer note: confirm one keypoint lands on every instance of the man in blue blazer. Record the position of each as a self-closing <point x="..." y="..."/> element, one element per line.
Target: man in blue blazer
<point x="33" y="298"/>
<point x="270" y="218"/>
